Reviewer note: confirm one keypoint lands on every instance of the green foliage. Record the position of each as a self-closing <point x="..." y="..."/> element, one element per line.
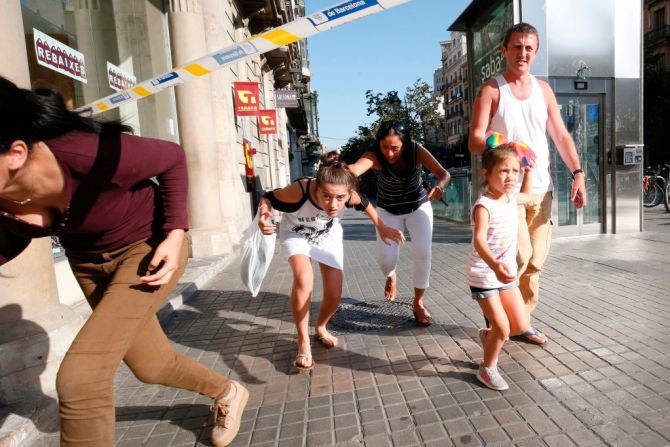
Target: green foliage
<point x="357" y="145"/>
<point x="417" y="108"/>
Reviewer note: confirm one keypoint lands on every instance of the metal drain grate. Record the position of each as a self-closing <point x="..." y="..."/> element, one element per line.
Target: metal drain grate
<point x="355" y="315"/>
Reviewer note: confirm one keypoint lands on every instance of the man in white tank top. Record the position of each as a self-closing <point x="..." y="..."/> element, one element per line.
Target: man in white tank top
<point x="525" y="109"/>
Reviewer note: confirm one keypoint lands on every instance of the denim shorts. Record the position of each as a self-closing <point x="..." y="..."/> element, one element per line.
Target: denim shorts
<point x="480" y="294"/>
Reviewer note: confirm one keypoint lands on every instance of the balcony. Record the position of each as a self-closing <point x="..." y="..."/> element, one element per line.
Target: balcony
<point x="657" y="35"/>
<point x="263" y="14"/>
<point x="279" y="60"/>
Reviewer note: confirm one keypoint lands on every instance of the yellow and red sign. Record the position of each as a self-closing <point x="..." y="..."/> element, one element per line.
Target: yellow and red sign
<point x="267" y="122"/>
<point x="248" y="165"/>
<point x="246" y="98"/>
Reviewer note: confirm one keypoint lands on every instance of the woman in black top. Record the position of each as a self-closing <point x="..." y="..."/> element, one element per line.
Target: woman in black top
<point x="402" y="202"/>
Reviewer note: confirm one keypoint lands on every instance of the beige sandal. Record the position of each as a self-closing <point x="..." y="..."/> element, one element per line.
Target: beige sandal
<point x="327" y="340"/>
<point x="305" y="355"/>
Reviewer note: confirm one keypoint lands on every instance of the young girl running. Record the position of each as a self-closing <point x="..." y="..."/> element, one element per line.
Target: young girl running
<point x="311" y="229"/>
<point x="492" y="268"/>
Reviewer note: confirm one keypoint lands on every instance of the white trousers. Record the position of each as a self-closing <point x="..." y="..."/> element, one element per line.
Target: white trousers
<point x="419" y="223"/>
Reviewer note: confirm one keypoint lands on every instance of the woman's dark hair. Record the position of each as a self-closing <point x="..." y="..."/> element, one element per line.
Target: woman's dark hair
<point x="38" y="115"/>
<point x="334" y="171"/>
<point x="395" y="127"/>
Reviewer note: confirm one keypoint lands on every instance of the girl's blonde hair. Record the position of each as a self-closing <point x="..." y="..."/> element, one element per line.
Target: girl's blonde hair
<point x="494" y="155"/>
<point x="335" y="171"/>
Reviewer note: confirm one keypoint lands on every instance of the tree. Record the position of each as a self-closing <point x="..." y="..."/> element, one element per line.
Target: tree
<point x="417" y="108"/>
<point x="354" y="148"/>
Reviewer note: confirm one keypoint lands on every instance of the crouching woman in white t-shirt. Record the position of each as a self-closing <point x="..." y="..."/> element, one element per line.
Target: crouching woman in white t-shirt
<point x="311" y="229"/>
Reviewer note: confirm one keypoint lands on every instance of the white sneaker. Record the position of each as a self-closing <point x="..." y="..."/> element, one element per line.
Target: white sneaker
<point x="490" y="377"/>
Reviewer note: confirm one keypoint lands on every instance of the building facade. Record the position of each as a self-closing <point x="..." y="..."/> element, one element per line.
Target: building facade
<point x="656" y="29"/>
<point x="456" y="105"/>
<point x="112" y="45"/>
<point x="435" y="132"/>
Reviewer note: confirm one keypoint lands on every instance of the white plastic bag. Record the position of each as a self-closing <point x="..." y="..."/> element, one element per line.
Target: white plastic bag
<point x="257" y="251"/>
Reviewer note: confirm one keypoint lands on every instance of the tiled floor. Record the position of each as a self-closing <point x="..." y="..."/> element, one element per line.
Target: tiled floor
<point x="603" y="379"/>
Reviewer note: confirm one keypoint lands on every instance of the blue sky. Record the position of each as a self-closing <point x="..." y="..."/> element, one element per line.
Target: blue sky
<point x="381" y="52"/>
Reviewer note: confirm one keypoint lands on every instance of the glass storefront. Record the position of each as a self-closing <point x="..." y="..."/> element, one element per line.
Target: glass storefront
<point x="487" y="36"/>
<point x="91" y="48"/>
<point x="120" y="42"/>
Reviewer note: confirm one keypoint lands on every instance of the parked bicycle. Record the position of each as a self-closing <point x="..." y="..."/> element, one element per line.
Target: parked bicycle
<point x="656" y="187"/>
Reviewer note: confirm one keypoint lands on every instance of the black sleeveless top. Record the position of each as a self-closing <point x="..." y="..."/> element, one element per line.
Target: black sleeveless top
<point x="400" y="193"/>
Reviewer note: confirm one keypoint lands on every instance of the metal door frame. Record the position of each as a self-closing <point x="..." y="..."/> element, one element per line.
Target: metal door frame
<point x="581" y="229"/>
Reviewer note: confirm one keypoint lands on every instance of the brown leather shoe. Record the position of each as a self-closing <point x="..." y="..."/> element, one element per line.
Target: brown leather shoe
<point x="228" y="411"/>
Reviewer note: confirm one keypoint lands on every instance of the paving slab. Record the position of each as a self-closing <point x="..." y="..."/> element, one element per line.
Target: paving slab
<point x="602" y="379"/>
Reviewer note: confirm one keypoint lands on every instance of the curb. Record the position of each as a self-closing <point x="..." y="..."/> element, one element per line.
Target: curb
<point x="198" y="273"/>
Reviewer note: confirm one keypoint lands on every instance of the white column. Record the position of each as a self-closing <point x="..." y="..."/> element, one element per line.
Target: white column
<point x="196" y="128"/>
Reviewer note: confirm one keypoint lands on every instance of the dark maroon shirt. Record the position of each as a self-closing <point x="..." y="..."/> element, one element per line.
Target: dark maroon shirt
<point x="112" y="197"/>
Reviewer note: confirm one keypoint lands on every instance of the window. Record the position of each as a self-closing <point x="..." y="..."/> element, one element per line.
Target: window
<point x="114" y="54"/>
<point x="659" y="18"/>
<point x="120" y="42"/>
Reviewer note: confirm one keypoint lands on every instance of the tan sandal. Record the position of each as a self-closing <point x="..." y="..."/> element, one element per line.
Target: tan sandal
<point x="532" y="336"/>
<point x="307" y="356"/>
<point x="326" y="340"/>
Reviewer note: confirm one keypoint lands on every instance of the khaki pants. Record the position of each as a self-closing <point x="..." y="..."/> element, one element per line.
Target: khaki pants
<point x="533" y="245"/>
<point x="123" y="326"/>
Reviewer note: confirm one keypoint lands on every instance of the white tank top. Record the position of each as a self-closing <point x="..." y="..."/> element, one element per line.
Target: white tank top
<point x="526" y="122"/>
<point x="501" y="237"/>
<point x="310" y="231"/>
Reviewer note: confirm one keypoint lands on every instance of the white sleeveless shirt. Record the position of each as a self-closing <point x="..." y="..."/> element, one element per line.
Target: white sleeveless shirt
<point x="311" y="232"/>
<point x="526" y="122"/>
<point x="501" y="238"/>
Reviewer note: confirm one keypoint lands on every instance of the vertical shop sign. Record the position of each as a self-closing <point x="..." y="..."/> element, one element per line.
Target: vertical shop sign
<point x="246" y="98"/>
<point x="488" y="34"/>
<point x="267" y="122"/>
<point x="118" y="78"/>
<point x="249" y="165"/>
<point x="59" y="57"/>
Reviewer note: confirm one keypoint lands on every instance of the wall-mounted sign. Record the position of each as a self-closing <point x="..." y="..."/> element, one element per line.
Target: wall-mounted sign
<point x="119" y="79"/>
<point x="248" y="165"/>
<point x="287" y="99"/>
<point x="246" y="98"/>
<point x="488" y="34"/>
<point x="267" y="122"/>
<point x="59" y="57"/>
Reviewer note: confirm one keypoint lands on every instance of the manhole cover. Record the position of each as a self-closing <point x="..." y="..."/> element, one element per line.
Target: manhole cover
<point x="355" y="315"/>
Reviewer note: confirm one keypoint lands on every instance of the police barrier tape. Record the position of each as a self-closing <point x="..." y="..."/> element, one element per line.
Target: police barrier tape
<point x="281" y="36"/>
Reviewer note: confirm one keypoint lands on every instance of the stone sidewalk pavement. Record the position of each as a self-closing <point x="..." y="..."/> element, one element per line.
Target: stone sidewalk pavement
<point x="603" y="378"/>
